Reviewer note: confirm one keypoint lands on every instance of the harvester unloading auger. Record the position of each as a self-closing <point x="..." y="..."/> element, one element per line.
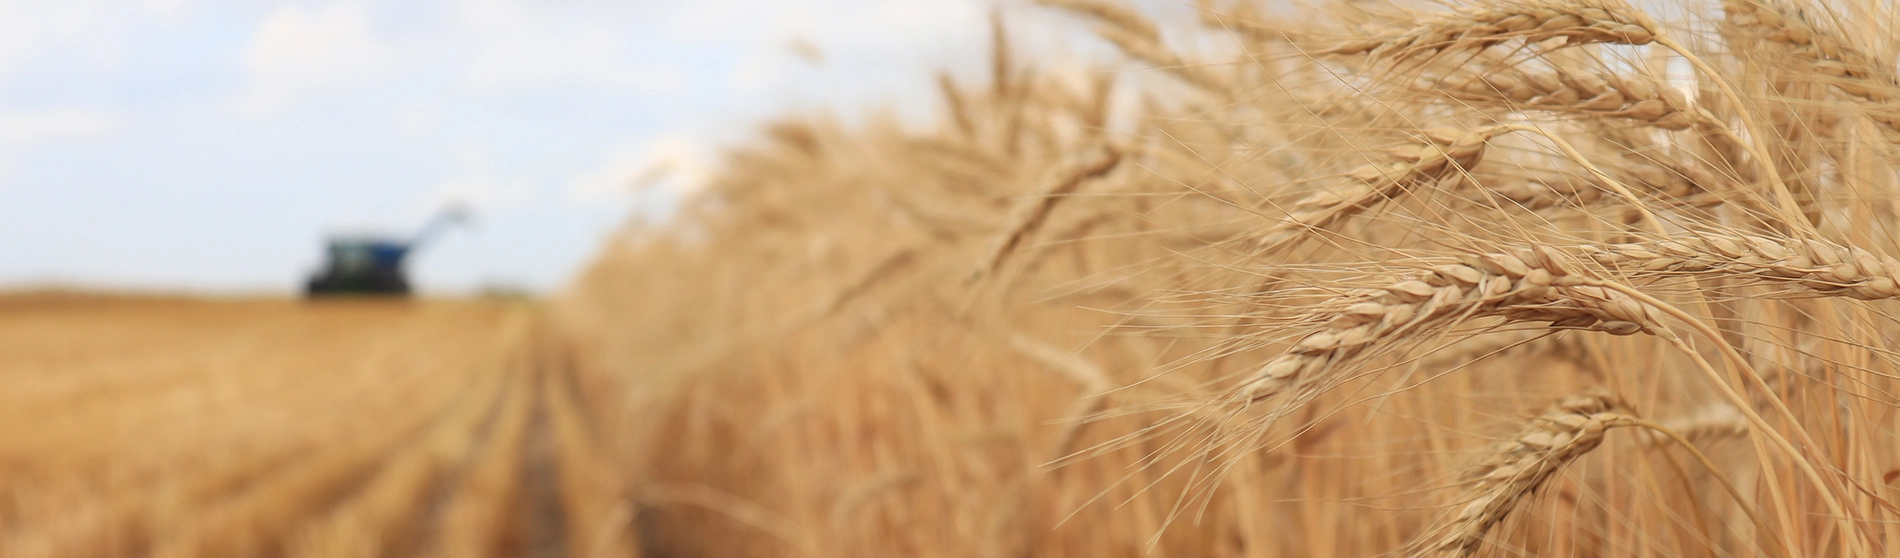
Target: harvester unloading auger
<point x="373" y="264"/>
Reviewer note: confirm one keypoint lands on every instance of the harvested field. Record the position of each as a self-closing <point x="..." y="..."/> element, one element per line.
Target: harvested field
<point x="177" y="427"/>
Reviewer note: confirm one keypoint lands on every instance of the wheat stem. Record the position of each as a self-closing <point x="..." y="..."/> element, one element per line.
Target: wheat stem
<point x="1757" y="145"/>
<point x="1715" y="471"/>
<point x="1614" y="184"/>
<point x="1839" y="512"/>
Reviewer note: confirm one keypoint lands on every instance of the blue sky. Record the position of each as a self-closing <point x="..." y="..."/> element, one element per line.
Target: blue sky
<point x="208" y="145"/>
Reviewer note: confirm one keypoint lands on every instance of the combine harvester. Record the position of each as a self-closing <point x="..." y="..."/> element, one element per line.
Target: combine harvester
<point x="371" y="264"/>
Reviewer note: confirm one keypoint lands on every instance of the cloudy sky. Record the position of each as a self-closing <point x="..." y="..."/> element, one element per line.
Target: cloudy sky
<point x="208" y="145"/>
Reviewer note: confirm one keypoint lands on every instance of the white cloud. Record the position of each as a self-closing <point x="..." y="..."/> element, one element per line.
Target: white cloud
<point x="88" y="35"/>
<point x="19" y="128"/>
<point x="517" y="46"/>
<point x="880" y="42"/>
<point x="883" y="23"/>
<point x="300" y="50"/>
<point x="419" y="120"/>
<point x="491" y="46"/>
<point x="672" y="165"/>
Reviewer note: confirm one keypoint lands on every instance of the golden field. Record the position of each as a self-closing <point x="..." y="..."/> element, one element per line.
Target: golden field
<point x="179" y="427"/>
<point x="1504" y="278"/>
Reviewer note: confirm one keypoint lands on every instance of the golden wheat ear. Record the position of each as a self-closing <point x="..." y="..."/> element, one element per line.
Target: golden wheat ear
<point x="1534" y="285"/>
<point x="1576" y="23"/>
<point x="1438" y="154"/>
<point x="1512" y="471"/>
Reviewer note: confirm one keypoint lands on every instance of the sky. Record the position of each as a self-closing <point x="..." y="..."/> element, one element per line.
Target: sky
<point x="210" y="145"/>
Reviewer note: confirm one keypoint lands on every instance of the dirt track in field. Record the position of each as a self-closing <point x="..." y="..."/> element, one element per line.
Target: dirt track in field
<point x="175" y="427"/>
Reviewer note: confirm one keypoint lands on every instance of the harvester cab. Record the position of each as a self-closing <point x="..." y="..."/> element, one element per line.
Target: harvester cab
<point x="373" y="264"/>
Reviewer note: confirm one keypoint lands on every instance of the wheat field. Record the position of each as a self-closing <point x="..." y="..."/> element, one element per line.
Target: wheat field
<point x="1328" y="278"/>
<point x="144" y="426"/>
<point x="1497" y="278"/>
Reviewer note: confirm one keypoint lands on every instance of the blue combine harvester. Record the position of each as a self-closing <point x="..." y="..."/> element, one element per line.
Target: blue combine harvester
<point x="373" y="264"/>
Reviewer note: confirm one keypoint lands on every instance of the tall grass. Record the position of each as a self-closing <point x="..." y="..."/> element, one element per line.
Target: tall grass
<point x="1302" y="279"/>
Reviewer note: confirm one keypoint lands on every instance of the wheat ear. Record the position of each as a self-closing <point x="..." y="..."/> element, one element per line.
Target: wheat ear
<point x="1514" y="470"/>
<point x="1533" y="285"/>
<point x="1070" y="178"/>
<point x="1467" y="30"/>
<point x="1628" y="96"/>
<point x="1444" y="152"/>
<point x="1816" y="268"/>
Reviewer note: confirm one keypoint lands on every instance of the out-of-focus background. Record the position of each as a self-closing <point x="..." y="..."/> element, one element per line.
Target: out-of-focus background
<point x="209" y="145"/>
